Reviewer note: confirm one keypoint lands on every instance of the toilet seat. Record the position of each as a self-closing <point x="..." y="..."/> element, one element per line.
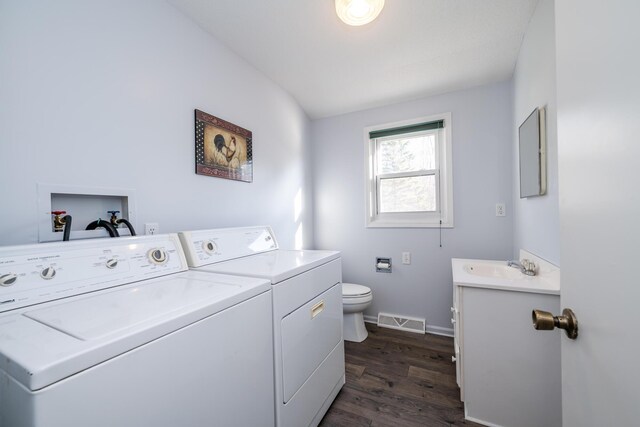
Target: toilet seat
<point x="354" y="301"/>
<point x="351" y="290"/>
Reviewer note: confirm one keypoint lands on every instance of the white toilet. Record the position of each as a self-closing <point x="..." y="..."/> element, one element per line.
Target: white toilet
<point x="355" y="299"/>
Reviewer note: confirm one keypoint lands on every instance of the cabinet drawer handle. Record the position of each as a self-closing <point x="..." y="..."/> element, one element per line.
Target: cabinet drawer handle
<point x="317" y="309"/>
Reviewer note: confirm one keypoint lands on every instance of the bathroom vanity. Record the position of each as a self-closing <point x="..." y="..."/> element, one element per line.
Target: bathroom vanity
<point x="509" y="374"/>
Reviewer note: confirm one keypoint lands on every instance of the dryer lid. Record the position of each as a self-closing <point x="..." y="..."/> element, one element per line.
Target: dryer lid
<point x="277" y="266"/>
<point x="353" y="290"/>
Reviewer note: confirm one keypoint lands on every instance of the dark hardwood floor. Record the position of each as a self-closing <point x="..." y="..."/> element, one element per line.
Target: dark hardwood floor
<point x="397" y="378"/>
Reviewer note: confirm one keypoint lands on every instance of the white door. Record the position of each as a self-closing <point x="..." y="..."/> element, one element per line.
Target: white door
<point x="598" y="66"/>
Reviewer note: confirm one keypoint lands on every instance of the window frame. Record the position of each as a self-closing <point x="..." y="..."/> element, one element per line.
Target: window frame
<point x="443" y="176"/>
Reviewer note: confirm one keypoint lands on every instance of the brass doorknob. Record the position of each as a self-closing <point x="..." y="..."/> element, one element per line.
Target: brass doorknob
<point x="545" y="321"/>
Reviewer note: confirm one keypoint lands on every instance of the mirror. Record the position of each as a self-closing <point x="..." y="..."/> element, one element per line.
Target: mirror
<point x="533" y="169"/>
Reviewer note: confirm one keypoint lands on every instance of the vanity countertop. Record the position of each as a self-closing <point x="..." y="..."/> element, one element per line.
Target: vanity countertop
<point x="547" y="281"/>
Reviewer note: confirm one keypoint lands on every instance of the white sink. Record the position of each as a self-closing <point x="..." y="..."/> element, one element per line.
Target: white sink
<point x="494" y="274"/>
<point x="494" y="270"/>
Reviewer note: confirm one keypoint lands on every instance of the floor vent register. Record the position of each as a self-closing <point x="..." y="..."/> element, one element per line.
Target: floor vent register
<point x="403" y="323"/>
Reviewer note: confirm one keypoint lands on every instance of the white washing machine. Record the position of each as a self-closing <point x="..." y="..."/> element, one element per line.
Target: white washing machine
<point x="118" y="332"/>
<point x="307" y="312"/>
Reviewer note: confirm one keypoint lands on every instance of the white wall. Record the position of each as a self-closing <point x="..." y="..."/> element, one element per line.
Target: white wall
<point x="536" y="219"/>
<point x="102" y="94"/>
<point x="482" y="176"/>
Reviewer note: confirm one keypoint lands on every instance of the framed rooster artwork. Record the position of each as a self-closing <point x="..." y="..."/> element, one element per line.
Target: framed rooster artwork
<point x="223" y="150"/>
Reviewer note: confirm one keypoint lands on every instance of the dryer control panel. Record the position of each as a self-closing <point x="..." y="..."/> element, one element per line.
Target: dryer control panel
<point x="203" y="247"/>
<point x="32" y="274"/>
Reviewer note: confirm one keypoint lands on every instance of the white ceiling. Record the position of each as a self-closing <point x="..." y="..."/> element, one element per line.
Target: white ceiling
<point x="415" y="48"/>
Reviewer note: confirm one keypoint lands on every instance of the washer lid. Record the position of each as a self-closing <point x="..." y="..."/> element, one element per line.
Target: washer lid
<point x="115" y="312"/>
<point x="44" y="344"/>
<point x="353" y="290"/>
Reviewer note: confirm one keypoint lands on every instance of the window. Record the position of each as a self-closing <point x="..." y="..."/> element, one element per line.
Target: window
<point x="408" y="173"/>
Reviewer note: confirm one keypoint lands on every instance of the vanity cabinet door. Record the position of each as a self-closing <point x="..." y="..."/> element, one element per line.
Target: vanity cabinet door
<point x="511" y="372"/>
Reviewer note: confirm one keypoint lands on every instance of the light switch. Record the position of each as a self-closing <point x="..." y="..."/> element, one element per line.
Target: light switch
<point x="406" y="257"/>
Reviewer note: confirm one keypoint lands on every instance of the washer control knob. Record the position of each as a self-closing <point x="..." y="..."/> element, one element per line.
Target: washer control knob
<point x="8" y="279"/>
<point x="48" y="273"/>
<point x="112" y="263"/>
<point x="209" y="247"/>
<point x="158" y="256"/>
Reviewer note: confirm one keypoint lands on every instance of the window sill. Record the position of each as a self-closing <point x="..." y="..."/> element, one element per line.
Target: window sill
<point x="407" y="224"/>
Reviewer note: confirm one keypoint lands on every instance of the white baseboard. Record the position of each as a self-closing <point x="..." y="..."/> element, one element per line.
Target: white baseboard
<point x="439" y="330"/>
<point x="370" y="319"/>
<point x="435" y="330"/>
<point x="477" y="421"/>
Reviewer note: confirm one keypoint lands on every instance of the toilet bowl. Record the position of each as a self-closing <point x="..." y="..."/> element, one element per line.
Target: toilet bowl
<point x="355" y="299"/>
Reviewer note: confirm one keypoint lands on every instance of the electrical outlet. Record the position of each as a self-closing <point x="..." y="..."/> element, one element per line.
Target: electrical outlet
<point x="500" y="209"/>
<point x="151" y="228"/>
<point x="406" y="257"/>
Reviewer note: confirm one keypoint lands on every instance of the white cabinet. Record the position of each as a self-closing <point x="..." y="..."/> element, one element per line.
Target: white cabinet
<point x="509" y="374"/>
<point x="457" y="340"/>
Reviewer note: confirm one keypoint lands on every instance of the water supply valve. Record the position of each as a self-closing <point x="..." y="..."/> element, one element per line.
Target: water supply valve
<point x="114" y="218"/>
<point x="58" y="220"/>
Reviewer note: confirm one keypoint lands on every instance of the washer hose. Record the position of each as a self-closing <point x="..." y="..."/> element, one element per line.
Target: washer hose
<point x="67" y="228"/>
<point x="128" y="224"/>
<point x="106" y="225"/>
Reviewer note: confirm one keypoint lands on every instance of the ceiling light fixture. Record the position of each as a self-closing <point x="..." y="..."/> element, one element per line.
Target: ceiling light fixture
<point x="358" y="12"/>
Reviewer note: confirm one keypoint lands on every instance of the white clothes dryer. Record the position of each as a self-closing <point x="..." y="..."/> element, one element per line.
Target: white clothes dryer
<point x="118" y="332"/>
<point x="307" y="312"/>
